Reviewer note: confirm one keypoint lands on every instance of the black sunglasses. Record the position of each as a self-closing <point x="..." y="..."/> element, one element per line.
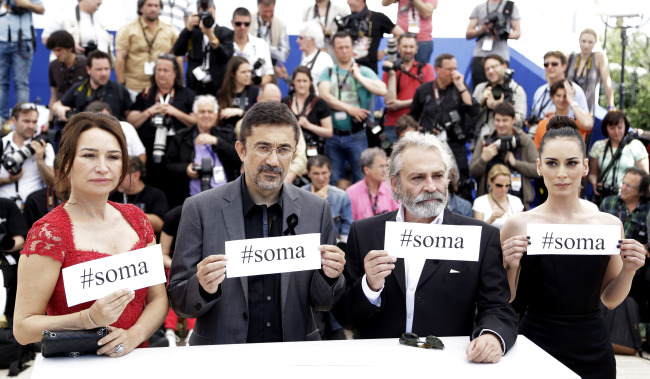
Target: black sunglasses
<point x="239" y="23"/>
<point x="499" y="185"/>
<point x="412" y="339"/>
<point x="554" y="64"/>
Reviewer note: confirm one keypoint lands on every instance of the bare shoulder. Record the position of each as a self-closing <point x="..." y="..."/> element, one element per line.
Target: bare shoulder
<point x="518" y="223"/>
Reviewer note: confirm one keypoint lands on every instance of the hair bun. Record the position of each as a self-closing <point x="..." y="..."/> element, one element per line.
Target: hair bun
<point x="561" y="121"/>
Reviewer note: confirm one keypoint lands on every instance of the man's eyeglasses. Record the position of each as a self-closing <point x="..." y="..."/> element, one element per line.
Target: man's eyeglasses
<point x="239" y="23"/>
<point x="499" y="185"/>
<point x="412" y="339"/>
<point x="629" y="186"/>
<point x="264" y="151"/>
<point x="554" y="64"/>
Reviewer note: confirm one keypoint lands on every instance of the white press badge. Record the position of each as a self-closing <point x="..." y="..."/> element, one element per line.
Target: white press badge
<point x="487" y="44"/>
<point x="414" y="22"/>
<point x="199" y="73"/>
<point x="149" y="68"/>
<point x="340" y="116"/>
<point x="219" y="175"/>
<point x="515" y="181"/>
<point x="312" y="151"/>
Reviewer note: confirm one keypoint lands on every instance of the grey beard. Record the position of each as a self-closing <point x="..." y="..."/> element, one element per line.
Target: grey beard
<point x="268" y="185"/>
<point x="418" y="207"/>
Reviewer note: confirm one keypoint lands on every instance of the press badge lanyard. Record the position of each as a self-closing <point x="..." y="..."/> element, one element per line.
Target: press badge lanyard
<point x="327" y="12"/>
<point x="153" y="40"/>
<point x="340" y="83"/>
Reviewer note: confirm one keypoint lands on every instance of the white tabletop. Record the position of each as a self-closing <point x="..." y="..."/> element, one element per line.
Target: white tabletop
<point x="383" y="358"/>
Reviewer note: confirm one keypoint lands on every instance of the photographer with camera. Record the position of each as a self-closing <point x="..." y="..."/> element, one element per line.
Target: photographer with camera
<point x="272" y="30"/>
<point x="441" y="107"/>
<point x="492" y="23"/>
<point x="510" y="146"/>
<point x="324" y="13"/>
<point x="555" y="64"/>
<point x="414" y="16"/>
<point x="498" y="88"/>
<point x="97" y="86"/>
<point x="202" y="153"/>
<point x="310" y="40"/>
<point x="348" y="88"/>
<point x="563" y="97"/>
<point x="367" y="28"/>
<point x="159" y="112"/>
<point x="254" y="49"/>
<point x="27" y="161"/>
<point x="610" y="157"/>
<point x="402" y="77"/>
<point x="17" y="45"/>
<point x="67" y="69"/>
<point x="208" y="47"/>
<point x="85" y="26"/>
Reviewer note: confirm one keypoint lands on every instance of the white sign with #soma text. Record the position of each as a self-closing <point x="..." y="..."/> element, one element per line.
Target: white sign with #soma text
<point x="572" y="239"/>
<point x="446" y="242"/>
<point x="97" y="278"/>
<point x="260" y="256"/>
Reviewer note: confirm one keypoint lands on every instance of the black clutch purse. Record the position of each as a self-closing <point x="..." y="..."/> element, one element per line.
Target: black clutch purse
<point x="71" y="343"/>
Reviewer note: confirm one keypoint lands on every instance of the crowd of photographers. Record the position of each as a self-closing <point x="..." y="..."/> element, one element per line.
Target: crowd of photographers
<point x="184" y="83"/>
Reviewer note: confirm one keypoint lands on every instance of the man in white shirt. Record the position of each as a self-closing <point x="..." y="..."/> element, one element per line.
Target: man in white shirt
<point x="254" y="49"/>
<point x="310" y="41"/>
<point x="272" y="30"/>
<point x="86" y="27"/>
<point x="386" y="296"/>
<point x="176" y="12"/>
<point x="31" y="162"/>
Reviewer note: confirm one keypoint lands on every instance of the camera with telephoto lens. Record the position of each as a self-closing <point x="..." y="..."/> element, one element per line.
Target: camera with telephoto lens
<point x="205" y="17"/>
<point x="162" y="124"/>
<point x="14" y="162"/>
<point x="396" y="65"/>
<point x="89" y="47"/>
<point x="500" y="26"/>
<point x="6" y="242"/>
<point x="391" y="49"/>
<point x="504" y="144"/>
<point x="500" y="89"/>
<point x="205" y="173"/>
<point x="256" y="79"/>
<point x="352" y="27"/>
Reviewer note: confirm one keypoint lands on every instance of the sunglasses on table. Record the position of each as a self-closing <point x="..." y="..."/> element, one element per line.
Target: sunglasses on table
<point x="239" y="23"/>
<point x="554" y="64"/>
<point x="430" y="342"/>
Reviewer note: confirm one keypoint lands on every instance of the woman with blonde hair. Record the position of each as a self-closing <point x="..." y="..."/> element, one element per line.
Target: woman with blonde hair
<point x="497" y="205"/>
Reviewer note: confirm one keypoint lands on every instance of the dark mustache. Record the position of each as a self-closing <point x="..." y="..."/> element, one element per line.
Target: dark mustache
<point x="266" y="167"/>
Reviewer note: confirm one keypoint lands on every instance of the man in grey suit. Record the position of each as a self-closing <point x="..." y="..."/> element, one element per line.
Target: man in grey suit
<point x="263" y="308"/>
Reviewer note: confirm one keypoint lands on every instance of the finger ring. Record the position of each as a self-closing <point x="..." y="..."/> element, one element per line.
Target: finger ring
<point x="119" y="348"/>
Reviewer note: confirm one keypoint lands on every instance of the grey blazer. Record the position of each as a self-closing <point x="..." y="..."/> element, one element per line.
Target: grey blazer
<point x="213" y="217"/>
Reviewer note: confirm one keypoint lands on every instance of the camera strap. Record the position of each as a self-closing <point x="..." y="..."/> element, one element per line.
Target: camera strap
<point x="341" y="83"/>
<point x="153" y="40"/>
<point x="417" y="76"/>
<point x="311" y="63"/>
<point x="306" y="109"/>
<point x="323" y="23"/>
<point x="615" y="157"/>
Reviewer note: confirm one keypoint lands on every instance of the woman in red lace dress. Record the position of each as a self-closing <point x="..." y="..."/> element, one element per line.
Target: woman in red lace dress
<point x="92" y="161"/>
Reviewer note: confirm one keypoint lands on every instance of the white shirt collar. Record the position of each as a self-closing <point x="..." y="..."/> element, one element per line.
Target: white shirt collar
<point x="400" y="216"/>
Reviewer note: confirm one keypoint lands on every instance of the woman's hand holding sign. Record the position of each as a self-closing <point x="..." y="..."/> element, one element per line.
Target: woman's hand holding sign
<point x="633" y="254"/>
<point x="108" y="309"/>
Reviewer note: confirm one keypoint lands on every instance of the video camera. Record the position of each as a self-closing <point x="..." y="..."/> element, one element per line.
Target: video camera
<point x="162" y="123"/>
<point x="205" y="17"/>
<point x="205" y="172"/>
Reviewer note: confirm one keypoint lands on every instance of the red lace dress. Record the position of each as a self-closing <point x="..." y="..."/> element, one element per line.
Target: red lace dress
<point x="52" y="236"/>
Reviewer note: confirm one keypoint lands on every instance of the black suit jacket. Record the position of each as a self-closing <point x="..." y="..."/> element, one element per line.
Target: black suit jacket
<point x="191" y="43"/>
<point x="446" y="304"/>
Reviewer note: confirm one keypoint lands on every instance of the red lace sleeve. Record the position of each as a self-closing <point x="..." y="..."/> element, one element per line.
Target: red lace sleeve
<point x="47" y="238"/>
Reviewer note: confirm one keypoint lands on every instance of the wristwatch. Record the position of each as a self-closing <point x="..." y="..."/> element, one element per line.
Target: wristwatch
<point x="575" y="104"/>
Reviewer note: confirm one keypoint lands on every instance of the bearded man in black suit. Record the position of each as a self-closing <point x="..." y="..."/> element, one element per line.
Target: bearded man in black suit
<point x="386" y="296"/>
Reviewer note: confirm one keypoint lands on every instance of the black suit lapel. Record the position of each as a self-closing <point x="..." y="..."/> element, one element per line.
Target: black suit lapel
<point x="432" y="265"/>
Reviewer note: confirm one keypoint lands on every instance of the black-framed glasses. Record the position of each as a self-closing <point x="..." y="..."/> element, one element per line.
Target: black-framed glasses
<point x="240" y="23"/>
<point x="265" y="150"/>
<point x="430" y="342"/>
<point x="499" y="185"/>
<point x="554" y="64"/>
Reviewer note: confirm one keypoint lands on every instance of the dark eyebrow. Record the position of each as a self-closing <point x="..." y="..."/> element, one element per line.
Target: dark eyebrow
<point x="96" y="150"/>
